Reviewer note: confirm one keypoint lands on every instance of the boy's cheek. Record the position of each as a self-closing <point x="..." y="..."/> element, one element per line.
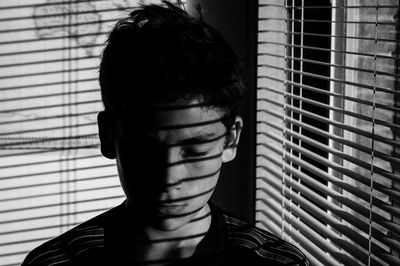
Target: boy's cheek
<point x="204" y="168"/>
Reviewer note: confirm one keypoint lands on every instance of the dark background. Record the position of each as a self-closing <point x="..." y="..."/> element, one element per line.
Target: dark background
<point x="237" y="21"/>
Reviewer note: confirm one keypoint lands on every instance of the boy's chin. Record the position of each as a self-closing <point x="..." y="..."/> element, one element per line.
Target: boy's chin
<point x="169" y="224"/>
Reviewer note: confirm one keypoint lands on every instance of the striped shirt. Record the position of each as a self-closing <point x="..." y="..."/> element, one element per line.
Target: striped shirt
<point x="229" y="241"/>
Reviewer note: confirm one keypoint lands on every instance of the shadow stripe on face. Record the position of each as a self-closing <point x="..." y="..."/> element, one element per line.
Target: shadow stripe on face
<point x="183" y="126"/>
<point x="201" y="217"/>
<point x="194" y="160"/>
<point x="189" y="197"/>
<point x="194" y="142"/>
<point x="164" y="107"/>
<point x="191" y="179"/>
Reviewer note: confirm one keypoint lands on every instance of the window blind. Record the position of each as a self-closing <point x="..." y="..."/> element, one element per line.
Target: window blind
<point x="328" y="134"/>
<point x="52" y="175"/>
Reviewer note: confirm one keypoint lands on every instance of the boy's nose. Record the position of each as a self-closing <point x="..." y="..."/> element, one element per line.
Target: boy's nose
<point x="173" y="172"/>
<point x="173" y="177"/>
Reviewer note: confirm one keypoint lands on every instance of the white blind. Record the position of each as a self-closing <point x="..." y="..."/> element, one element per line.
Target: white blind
<point x="328" y="131"/>
<point x="52" y="175"/>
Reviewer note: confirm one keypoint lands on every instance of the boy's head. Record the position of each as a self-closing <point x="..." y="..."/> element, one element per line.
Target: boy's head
<point x="161" y="55"/>
<point x="171" y="86"/>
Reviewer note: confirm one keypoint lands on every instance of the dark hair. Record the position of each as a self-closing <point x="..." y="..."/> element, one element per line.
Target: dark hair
<point x="163" y="55"/>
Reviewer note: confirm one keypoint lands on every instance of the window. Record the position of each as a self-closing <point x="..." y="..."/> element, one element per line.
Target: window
<point x="52" y="175"/>
<point x="328" y="128"/>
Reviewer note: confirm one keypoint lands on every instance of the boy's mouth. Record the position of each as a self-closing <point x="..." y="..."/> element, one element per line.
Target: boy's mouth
<point x="170" y="209"/>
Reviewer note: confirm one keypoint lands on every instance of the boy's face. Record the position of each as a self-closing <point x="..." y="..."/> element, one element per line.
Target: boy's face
<point x="169" y="165"/>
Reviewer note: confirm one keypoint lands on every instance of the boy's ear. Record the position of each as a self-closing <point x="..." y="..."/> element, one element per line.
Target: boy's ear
<point x="106" y="134"/>
<point x="232" y="140"/>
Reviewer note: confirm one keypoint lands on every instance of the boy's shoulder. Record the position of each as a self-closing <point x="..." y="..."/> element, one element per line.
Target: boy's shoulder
<point x="85" y="243"/>
<point x="260" y="246"/>
<point x="85" y="238"/>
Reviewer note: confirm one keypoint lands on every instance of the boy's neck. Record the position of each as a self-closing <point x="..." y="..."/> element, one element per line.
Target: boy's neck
<point x="199" y="225"/>
<point x="146" y="244"/>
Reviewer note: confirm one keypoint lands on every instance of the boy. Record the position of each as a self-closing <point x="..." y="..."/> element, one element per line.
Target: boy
<point x="171" y="87"/>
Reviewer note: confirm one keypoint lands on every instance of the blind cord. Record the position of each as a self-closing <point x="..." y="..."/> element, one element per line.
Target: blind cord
<point x="284" y="125"/>
<point x="373" y="141"/>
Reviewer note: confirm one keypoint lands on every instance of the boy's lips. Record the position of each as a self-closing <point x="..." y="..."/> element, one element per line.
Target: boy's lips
<point x="170" y="209"/>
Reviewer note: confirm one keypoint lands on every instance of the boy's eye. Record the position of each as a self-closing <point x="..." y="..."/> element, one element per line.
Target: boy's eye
<point x="193" y="153"/>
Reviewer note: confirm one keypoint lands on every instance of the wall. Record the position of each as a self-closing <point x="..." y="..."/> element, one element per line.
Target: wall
<point x="236" y="20"/>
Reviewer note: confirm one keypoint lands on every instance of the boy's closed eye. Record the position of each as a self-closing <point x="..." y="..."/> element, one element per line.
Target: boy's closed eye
<point x="192" y="152"/>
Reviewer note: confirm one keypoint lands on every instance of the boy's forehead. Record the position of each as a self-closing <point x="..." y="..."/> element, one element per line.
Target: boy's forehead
<point x="169" y="113"/>
<point x="186" y="136"/>
<point x="184" y="117"/>
<point x="188" y="121"/>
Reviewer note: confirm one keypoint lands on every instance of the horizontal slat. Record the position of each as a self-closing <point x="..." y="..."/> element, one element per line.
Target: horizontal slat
<point x="47" y="106"/>
<point x="358" y="69"/>
<point x="338" y="125"/>
<point x="356" y="207"/>
<point x="55" y="26"/>
<point x="318" y="256"/>
<point x="321" y="63"/>
<point x="363" y="6"/>
<point x="314" y="254"/>
<point x="36" y="62"/>
<point x="58" y="183"/>
<point x="376" y="249"/>
<point x="61" y="204"/>
<point x="53" y="117"/>
<point x="391" y="193"/>
<point x="59" y="193"/>
<point x="356" y="176"/>
<point x="33" y="219"/>
<point x="377" y="154"/>
<point x="317" y="212"/>
<point x="320" y="132"/>
<point x="378" y="22"/>
<point x="316" y="48"/>
<point x="33" y="40"/>
<point x="87" y="198"/>
<point x="340" y="81"/>
<point x="324" y="242"/>
<point x="375" y="121"/>
<point x="356" y="191"/>
<point x="20" y="252"/>
<point x="52" y="130"/>
<point x="51" y="68"/>
<point x="345" y="97"/>
<point x="44" y="96"/>
<point x="342" y="155"/>
<point x="67" y="10"/>
<point x="376" y="138"/>
<point x="378" y="106"/>
<point x="302" y="7"/>
<point x="280" y="127"/>
<point x="328" y="36"/>
<point x="356" y="130"/>
<point x="16" y="155"/>
<point x="40" y="161"/>
<point x="58" y="171"/>
<point x="329" y="240"/>
<point x="292" y="20"/>
<point x="45" y="4"/>
<point x="71" y="71"/>
<point x="41" y="85"/>
<point x="37" y="228"/>
<point x="33" y="51"/>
